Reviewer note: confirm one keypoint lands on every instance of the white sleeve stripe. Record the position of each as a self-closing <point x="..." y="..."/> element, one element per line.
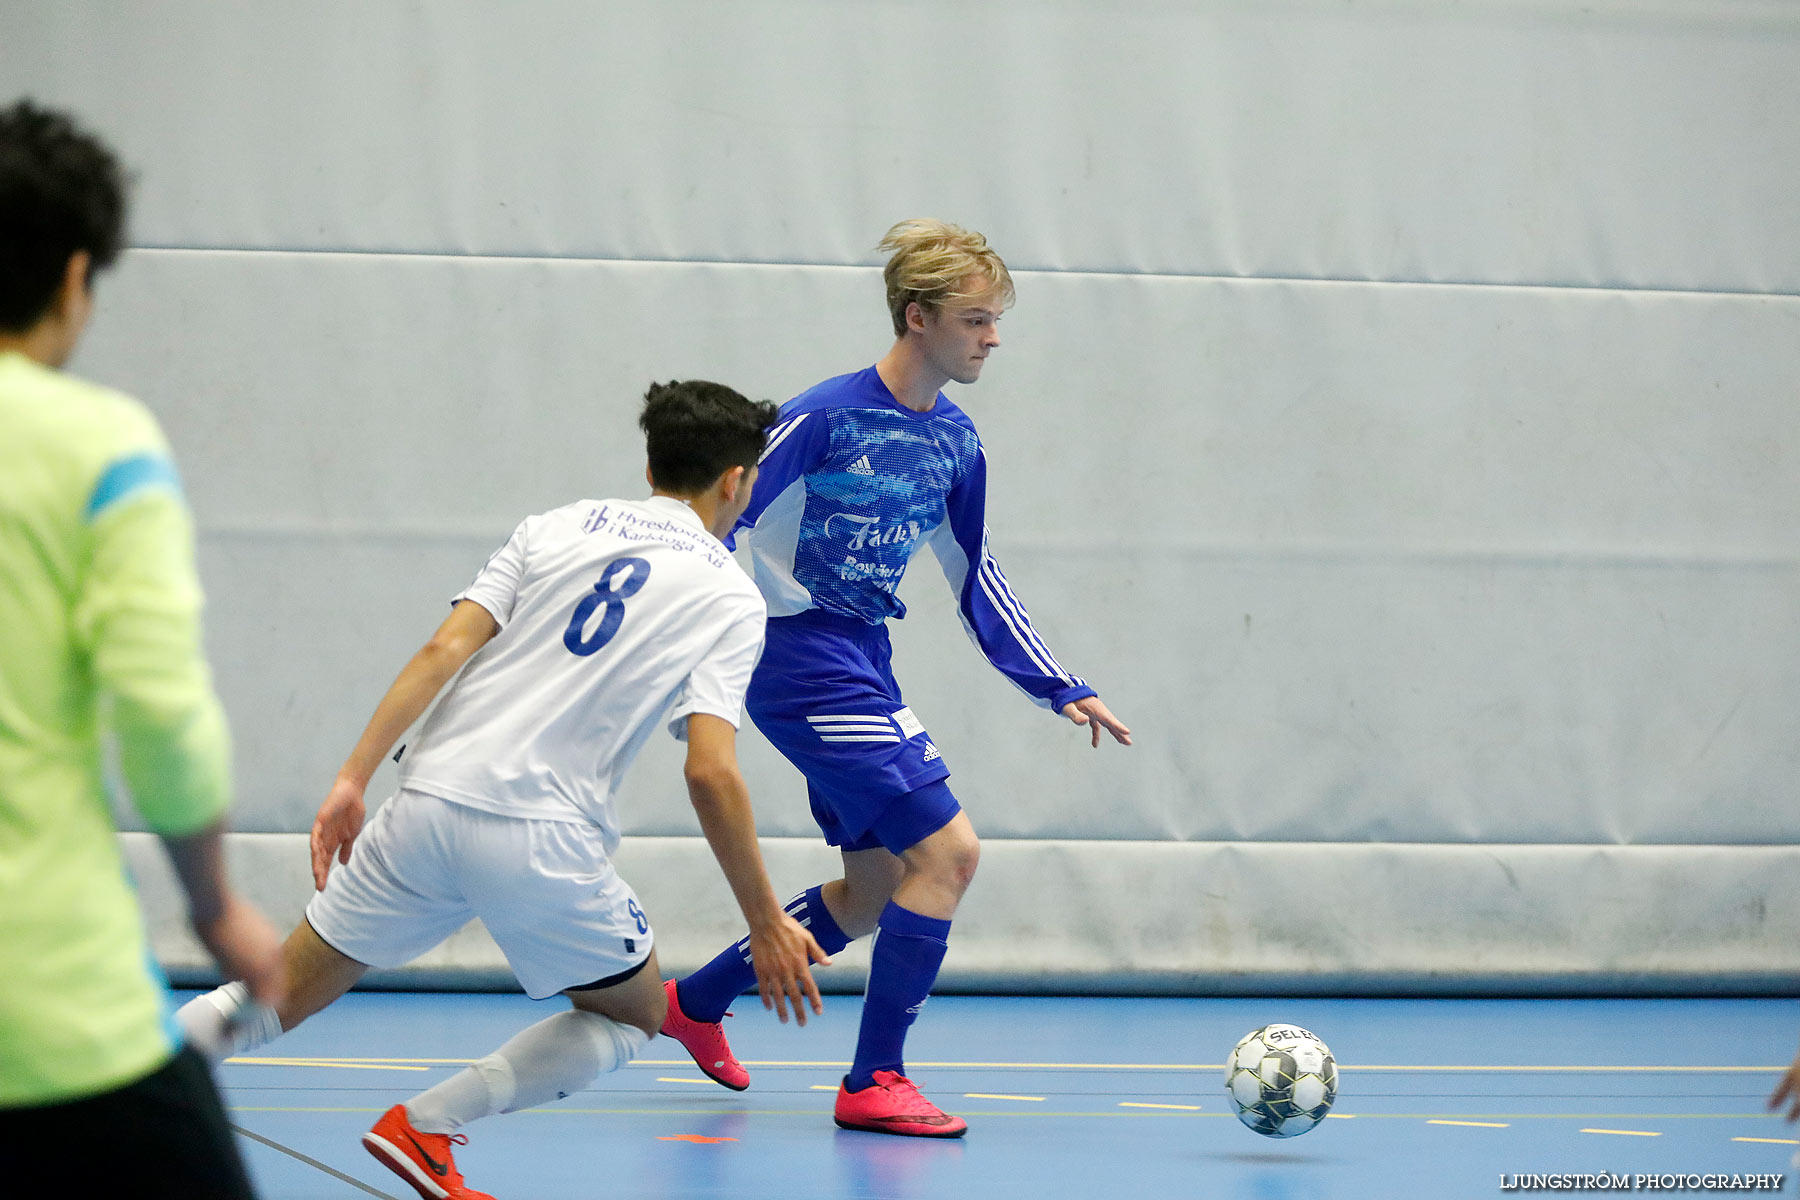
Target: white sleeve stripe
<point x="1013" y="613"/>
<point x="860" y="737"/>
<point x="848" y="717"/>
<point x="781" y="434"/>
<point x="1000" y="607"/>
<point x="849" y="728"/>
<point x="989" y="565"/>
<point x="955" y="563"/>
<point x="1025" y="620"/>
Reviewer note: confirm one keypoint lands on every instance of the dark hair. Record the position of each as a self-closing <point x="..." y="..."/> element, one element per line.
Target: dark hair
<point x="61" y="190"/>
<point x="695" y="431"/>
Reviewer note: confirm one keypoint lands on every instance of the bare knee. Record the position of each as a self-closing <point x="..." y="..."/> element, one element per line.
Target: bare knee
<point x="639" y="1001"/>
<point x="948" y="858"/>
<point x="957" y="869"/>
<point x="645" y="1013"/>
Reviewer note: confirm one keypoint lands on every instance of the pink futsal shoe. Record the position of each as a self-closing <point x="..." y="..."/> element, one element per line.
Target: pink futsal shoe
<point x="705" y="1040"/>
<point x="893" y="1105"/>
<point x="422" y="1159"/>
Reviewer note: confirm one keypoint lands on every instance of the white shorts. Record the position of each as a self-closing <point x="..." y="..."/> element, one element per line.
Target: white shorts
<point x="422" y="867"/>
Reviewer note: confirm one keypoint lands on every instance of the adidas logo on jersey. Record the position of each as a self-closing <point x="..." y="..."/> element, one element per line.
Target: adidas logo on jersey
<point x="861" y="467"/>
<point x="931" y="752"/>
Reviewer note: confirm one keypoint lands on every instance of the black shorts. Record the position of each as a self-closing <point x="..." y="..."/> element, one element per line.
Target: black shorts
<point x="165" y="1136"/>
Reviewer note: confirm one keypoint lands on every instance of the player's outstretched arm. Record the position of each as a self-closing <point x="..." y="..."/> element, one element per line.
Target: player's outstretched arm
<point x="467" y="629"/>
<point x="1787" y="1091"/>
<point x="239" y="937"/>
<point x="1096" y="716"/>
<point x="781" y="950"/>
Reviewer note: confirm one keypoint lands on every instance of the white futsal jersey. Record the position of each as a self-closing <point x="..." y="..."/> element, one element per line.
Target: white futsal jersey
<point x="614" y="615"/>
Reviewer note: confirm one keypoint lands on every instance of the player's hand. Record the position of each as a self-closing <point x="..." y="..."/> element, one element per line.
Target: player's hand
<point x="334" y="830"/>
<point x="1096" y="716"/>
<point x="246" y="947"/>
<point x="1787" y="1091"/>
<point x="782" y="952"/>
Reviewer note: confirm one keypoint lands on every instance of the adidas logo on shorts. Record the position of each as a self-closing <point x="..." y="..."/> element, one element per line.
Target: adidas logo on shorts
<point x="861" y="467"/>
<point x="931" y="752"/>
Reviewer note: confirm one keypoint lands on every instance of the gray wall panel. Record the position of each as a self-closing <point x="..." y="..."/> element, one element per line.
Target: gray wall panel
<point x="1500" y="140"/>
<point x="1206" y="918"/>
<point x="1369" y="561"/>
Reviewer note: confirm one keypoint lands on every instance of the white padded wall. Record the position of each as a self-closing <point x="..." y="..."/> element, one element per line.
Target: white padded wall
<point x="1373" y="563"/>
<point x="1630" y="142"/>
<point x="1397" y="424"/>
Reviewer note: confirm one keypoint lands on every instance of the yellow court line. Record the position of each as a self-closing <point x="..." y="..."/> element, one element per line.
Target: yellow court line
<point x="1594" y="1068"/>
<point x="346" y="1064"/>
<point x="999" y="1096"/>
<point x="1471" y="1124"/>
<point x="798" y="1112"/>
<point x="1770" y="1141"/>
<point x="662" y="1112"/>
<point x="345" y="1058"/>
<point x="823" y="1087"/>
<point x="1624" y="1132"/>
<point x="667" y="1079"/>
<point x="1144" y="1104"/>
<point x="1085" y="1066"/>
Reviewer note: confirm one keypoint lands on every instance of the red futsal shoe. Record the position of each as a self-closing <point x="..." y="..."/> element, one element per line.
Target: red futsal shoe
<point x="705" y="1040"/>
<point x="893" y="1105"/>
<point x="422" y="1159"/>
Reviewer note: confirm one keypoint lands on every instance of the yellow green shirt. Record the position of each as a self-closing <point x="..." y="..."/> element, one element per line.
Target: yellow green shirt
<point x="99" y="628"/>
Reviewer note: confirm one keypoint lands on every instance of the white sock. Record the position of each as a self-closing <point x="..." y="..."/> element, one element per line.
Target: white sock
<point x="226" y="1021"/>
<point x="545" y="1062"/>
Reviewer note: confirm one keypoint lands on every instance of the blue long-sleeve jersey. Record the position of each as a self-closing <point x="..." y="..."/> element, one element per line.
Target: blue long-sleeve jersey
<point x="851" y="484"/>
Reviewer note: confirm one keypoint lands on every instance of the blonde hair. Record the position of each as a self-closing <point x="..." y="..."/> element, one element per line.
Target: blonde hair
<point x="931" y="262"/>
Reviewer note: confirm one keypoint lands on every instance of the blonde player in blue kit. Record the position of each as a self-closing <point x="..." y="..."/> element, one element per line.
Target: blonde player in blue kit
<point x="594" y="624"/>
<point x="863" y="470"/>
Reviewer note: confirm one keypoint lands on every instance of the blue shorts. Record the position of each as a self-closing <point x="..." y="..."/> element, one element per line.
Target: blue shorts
<point x="824" y="695"/>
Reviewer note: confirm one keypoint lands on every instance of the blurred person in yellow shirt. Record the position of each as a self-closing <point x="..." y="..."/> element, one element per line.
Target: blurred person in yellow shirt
<point x="99" y="632"/>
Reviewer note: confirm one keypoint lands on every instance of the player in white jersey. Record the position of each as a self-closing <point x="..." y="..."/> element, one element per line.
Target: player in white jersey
<point x="595" y="623"/>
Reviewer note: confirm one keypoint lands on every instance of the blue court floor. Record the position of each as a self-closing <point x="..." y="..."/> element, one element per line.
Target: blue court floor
<point x="1439" y="1099"/>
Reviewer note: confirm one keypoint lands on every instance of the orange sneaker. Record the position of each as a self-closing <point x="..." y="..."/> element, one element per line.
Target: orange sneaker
<point x="705" y="1040"/>
<point x="422" y="1159"/>
<point x="893" y="1105"/>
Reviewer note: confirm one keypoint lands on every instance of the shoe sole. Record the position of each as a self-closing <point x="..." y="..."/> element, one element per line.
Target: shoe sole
<point x="927" y="1131"/>
<point x="397" y="1161"/>
<point x="704" y="1069"/>
<point x="724" y="1083"/>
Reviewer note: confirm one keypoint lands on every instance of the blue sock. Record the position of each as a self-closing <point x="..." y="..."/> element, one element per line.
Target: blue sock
<point x="708" y="992"/>
<point x="909" y="949"/>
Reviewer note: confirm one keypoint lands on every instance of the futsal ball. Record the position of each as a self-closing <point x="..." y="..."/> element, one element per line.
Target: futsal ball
<point x="1282" y="1080"/>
